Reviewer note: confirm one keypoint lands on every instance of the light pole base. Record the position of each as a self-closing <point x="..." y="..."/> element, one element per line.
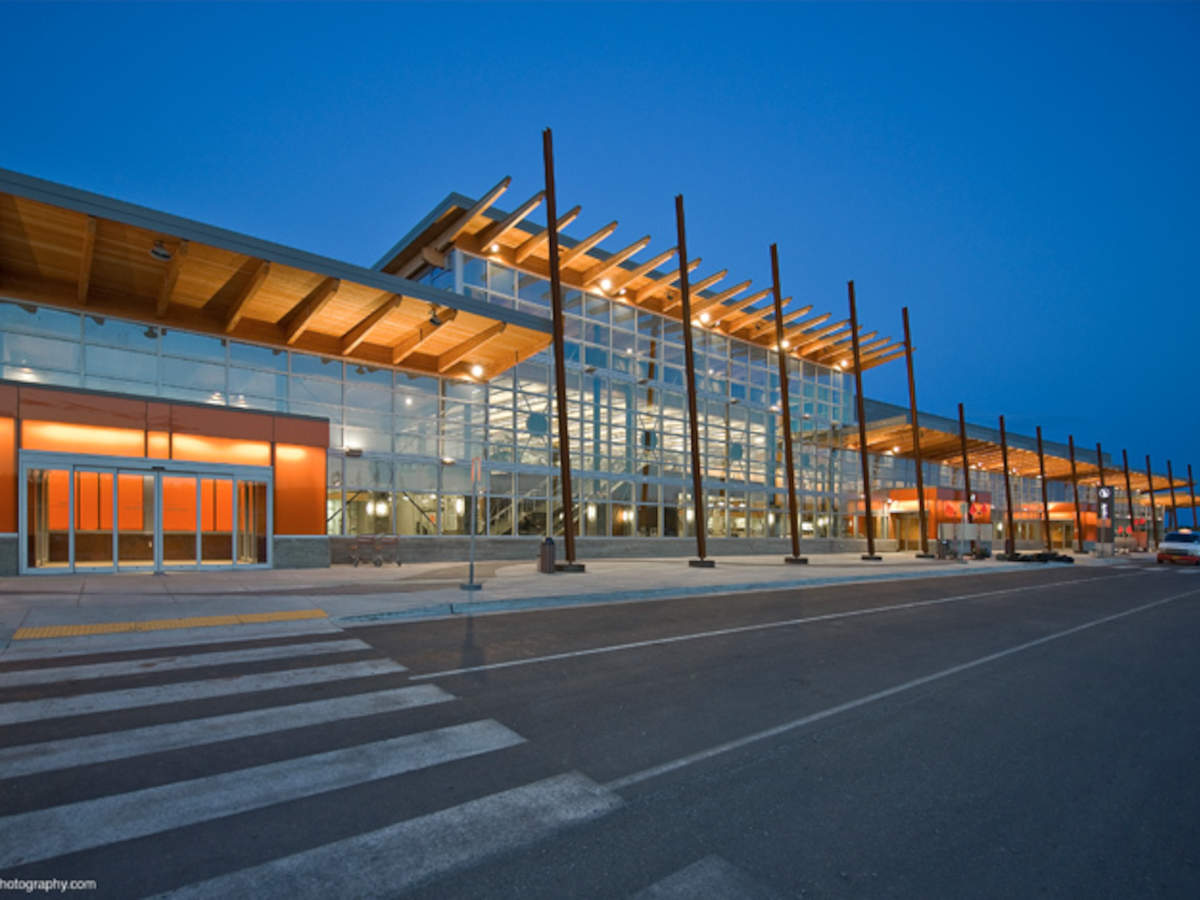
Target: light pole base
<point x="867" y="557"/>
<point x="796" y="560"/>
<point x="470" y="586"/>
<point x="925" y="556"/>
<point x="702" y="563"/>
<point x="569" y="567"/>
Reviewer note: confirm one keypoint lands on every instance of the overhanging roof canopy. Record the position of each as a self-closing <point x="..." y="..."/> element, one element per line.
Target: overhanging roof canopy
<point x="70" y="248"/>
<point x="889" y="432"/>
<point x="476" y="226"/>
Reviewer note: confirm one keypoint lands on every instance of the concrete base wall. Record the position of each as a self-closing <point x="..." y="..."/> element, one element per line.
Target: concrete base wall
<point x="300" y="551"/>
<point x="9" y="549"/>
<point x="454" y="549"/>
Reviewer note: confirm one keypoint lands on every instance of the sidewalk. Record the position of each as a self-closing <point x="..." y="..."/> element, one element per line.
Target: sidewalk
<point x="423" y="590"/>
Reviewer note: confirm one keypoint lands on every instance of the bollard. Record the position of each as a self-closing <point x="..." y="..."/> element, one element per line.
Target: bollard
<point x="546" y="557"/>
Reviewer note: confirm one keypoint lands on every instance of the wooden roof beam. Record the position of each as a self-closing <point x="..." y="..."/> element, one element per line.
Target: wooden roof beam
<point x="623" y="279"/>
<point x="826" y="346"/>
<point x="301" y="316"/>
<point x="661" y="284"/>
<point x="356" y="335"/>
<point x="598" y="271"/>
<point x="411" y="343"/>
<point x="890" y="358"/>
<point x="566" y="257"/>
<point x="238" y="307"/>
<point x="700" y="304"/>
<point x="170" y="276"/>
<point x="454" y="229"/>
<point x="879" y="348"/>
<point x="751" y="316"/>
<point x="694" y="291"/>
<point x="724" y="312"/>
<point x="533" y="243"/>
<point x="497" y="230"/>
<point x="455" y="354"/>
<point x="802" y="340"/>
<point x="85" y="258"/>
<point x="841" y="345"/>
<point x="799" y="333"/>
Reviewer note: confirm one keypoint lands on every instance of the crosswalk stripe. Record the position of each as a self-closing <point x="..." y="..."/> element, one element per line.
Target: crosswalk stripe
<point x="388" y="861"/>
<point x="107" y="701"/>
<point x="46" y="833"/>
<point x="168" y="663"/>
<point x="154" y="640"/>
<point x="29" y="759"/>
<point x="708" y="877"/>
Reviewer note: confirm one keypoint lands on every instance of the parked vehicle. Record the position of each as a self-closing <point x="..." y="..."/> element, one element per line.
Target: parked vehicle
<point x="1180" y="547"/>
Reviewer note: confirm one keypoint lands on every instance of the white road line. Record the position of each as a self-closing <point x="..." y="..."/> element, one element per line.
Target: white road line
<point x="708" y="877"/>
<point x="681" y="762"/>
<point x="46" y="833"/>
<point x="389" y="861"/>
<point x="107" y="701"/>
<point x="166" y="663"/>
<point x="95" y="748"/>
<point x="762" y="626"/>
<point x="86" y="645"/>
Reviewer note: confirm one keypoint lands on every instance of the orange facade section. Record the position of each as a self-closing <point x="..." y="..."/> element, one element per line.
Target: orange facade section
<point x="65" y="421"/>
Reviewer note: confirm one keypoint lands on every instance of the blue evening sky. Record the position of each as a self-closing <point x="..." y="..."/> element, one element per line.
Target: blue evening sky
<point x="1022" y="176"/>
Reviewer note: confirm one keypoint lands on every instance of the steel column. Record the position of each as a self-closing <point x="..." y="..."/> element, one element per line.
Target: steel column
<point x="560" y="376"/>
<point x="1174" y="508"/>
<point x="693" y="419"/>
<point x="1128" y="488"/>
<point x="782" y="354"/>
<point x="1045" y="498"/>
<point x="1075" y="490"/>
<point x="1192" y="494"/>
<point x="1153" y="505"/>
<point x="916" y="434"/>
<point x="1100" y="462"/>
<point x="962" y="439"/>
<point x="862" y="430"/>
<point x="1010" y="539"/>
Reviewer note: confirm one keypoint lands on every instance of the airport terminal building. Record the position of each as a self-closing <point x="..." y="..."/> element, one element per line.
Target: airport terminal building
<point x="178" y="396"/>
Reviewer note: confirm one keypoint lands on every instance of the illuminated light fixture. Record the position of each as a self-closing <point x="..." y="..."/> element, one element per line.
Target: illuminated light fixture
<point x="785" y="343"/>
<point x="459" y="506"/>
<point x="621" y="292"/>
<point x="353" y="451"/>
<point x="408" y="401"/>
<point x="606" y="284"/>
<point x="495" y="248"/>
<point x="446" y="460"/>
<point x="591" y="512"/>
<point x="477" y="371"/>
<point x="841" y="364"/>
<point x="160" y="252"/>
<point x="895" y="449"/>
<point x="704" y="317"/>
<point x="629" y="351"/>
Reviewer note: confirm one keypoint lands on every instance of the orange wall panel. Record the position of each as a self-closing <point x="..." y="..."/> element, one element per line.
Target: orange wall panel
<point x="230" y="423"/>
<point x="179" y="503"/>
<point x="71" y="438"/>
<point x="58" y="502"/>
<point x="309" y="432"/>
<point x="299" y="489"/>
<point x="8" y="475"/>
<point x="81" y="409"/>
<point x="198" y="448"/>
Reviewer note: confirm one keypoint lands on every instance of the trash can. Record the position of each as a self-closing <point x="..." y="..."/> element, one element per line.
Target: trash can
<point x="546" y="557"/>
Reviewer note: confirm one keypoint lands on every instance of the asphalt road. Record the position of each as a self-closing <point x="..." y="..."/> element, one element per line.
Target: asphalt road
<point x="1032" y="733"/>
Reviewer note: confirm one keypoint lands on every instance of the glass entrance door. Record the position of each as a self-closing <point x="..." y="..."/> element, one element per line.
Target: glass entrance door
<point x="251" y="522"/>
<point x="180" y="520"/>
<point x="93" y="519"/>
<point x="48" y="519"/>
<point x="137" y="509"/>
<point x="216" y="521"/>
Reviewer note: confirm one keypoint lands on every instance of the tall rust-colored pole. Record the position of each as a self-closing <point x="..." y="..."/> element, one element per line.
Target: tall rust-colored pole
<point x="693" y="419"/>
<point x="916" y="436"/>
<point x="1192" y="494"/>
<point x="1045" y="496"/>
<point x="560" y="375"/>
<point x="1174" y="508"/>
<point x="962" y="439"/>
<point x="1075" y="489"/>
<point x="1010" y="539"/>
<point x="1128" y="489"/>
<point x="1153" y="505"/>
<point x="862" y="431"/>
<point x="785" y="402"/>
<point x="1100" y="463"/>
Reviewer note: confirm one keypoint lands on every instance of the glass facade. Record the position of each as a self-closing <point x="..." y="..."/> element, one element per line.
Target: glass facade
<point x="401" y="443"/>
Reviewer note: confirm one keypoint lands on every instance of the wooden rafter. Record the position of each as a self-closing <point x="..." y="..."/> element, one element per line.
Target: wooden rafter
<point x="835" y="346"/>
<point x="807" y="334"/>
<point x="723" y="313"/>
<point x="497" y="230"/>
<point x="661" y="284"/>
<point x="694" y="290"/>
<point x="457" y="352"/>
<point x="566" y="257"/>
<point x="85" y="258"/>
<point x="598" y="271"/>
<point x="884" y="347"/>
<point x="238" y="307"/>
<point x="703" y="303"/>
<point x="812" y="349"/>
<point x="624" y="278"/>
<point x="411" y="343"/>
<point x="538" y="240"/>
<point x="170" y="276"/>
<point x="356" y="335"/>
<point x="750" y="317"/>
<point x="301" y="316"/>
<point x="447" y="236"/>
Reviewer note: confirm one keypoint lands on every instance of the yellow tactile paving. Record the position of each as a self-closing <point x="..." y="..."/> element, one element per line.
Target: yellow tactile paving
<point x="53" y="631"/>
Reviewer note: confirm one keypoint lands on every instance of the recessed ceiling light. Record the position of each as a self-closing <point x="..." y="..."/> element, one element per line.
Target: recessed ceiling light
<point x="606" y="284"/>
<point x="160" y="252"/>
<point x="477" y="370"/>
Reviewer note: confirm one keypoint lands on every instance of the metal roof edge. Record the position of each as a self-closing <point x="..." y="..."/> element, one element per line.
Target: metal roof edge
<point x="450" y="201"/>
